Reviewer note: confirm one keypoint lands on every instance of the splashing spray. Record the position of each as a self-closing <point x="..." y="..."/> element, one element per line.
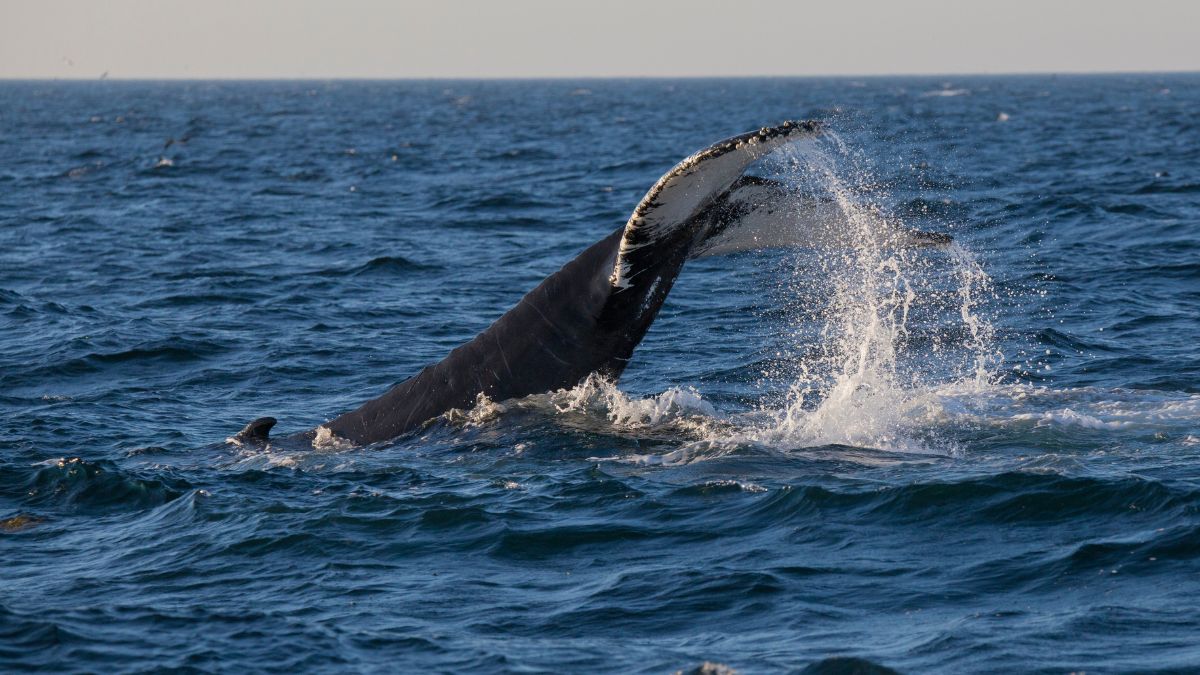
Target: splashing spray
<point x="871" y="382"/>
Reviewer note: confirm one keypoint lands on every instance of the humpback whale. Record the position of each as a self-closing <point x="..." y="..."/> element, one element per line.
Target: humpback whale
<point x="590" y="315"/>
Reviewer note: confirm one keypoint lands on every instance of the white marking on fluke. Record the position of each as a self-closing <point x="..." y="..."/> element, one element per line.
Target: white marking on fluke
<point x="692" y="185"/>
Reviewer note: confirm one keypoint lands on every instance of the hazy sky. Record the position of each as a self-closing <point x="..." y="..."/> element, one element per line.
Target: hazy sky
<point x="548" y="38"/>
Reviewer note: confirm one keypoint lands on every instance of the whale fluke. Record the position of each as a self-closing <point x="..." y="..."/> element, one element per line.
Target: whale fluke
<point x="758" y="213"/>
<point x="589" y="316"/>
<point x="585" y="318"/>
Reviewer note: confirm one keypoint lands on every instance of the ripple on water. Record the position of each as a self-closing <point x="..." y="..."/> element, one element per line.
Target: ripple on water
<point x="814" y="457"/>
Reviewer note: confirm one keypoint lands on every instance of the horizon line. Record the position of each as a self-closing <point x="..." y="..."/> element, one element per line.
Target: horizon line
<point x="104" y="77"/>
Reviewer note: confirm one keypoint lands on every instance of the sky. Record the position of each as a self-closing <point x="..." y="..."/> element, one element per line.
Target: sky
<point x="85" y="39"/>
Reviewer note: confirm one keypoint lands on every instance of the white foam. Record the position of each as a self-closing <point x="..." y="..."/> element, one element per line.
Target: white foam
<point x="1078" y="407"/>
<point x="325" y="439"/>
<point x="598" y="395"/>
<point x="596" y="403"/>
<point x="484" y="411"/>
<point x="1068" y="417"/>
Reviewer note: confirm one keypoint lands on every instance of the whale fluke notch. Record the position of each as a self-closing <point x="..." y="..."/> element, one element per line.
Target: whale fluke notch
<point x="257" y="431"/>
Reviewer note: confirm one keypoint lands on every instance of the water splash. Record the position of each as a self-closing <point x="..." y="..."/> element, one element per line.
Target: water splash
<point x="870" y="380"/>
<point x="598" y="394"/>
<point x="882" y="344"/>
<point x="597" y="404"/>
<point x="883" y="341"/>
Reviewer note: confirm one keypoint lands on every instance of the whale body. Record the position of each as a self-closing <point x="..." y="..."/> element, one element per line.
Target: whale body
<point x="589" y="316"/>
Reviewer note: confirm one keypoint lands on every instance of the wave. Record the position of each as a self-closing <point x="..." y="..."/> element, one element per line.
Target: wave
<point x="24" y="635"/>
<point x="79" y="485"/>
<point x="9" y="297"/>
<point x="1166" y="187"/>
<point x="387" y="265"/>
<point x="169" y="350"/>
<point x="507" y="202"/>
<point x="390" y="264"/>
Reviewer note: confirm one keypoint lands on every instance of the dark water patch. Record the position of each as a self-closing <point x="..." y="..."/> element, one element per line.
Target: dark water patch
<point x="506" y="202"/>
<point x="1072" y="343"/>
<point x="466" y="517"/>
<point x="625" y="167"/>
<point x="298" y="545"/>
<point x="1147" y="553"/>
<point x="1079" y="499"/>
<point x="307" y="176"/>
<point x="592" y="488"/>
<point x="1185" y="379"/>
<point x="551" y="541"/>
<point x="147" y="450"/>
<point x="203" y="300"/>
<point x="1183" y="271"/>
<point x="1135" y="209"/>
<point x="846" y="665"/>
<point x="26" y="638"/>
<point x="651" y="599"/>
<point x="10" y="297"/>
<point x="159" y="352"/>
<point x="390" y="265"/>
<point x="1026" y="498"/>
<point x="87" y="487"/>
<point x="1167" y="187"/>
<point x="275" y="191"/>
<point x="235" y="276"/>
<point x="1141" y="321"/>
<point x="531" y="154"/>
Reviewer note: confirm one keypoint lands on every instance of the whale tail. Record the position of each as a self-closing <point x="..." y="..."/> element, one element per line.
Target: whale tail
<point x="590" y="315"/>
<point x="585" y="318"/>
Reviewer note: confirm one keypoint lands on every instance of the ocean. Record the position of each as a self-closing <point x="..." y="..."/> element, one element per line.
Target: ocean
<point x="968" y="459"/>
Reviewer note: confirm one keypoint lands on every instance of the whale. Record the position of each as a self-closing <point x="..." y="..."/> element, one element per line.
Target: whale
<point x="589" y="316"/>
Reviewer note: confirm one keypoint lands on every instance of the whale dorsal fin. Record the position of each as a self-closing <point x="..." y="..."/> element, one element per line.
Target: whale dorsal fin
<point x="668" y="210"/>
<point x="257" y="431"/>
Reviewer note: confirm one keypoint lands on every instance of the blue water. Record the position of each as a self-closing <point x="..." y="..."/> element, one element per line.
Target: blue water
<point x="1009" y="483"/>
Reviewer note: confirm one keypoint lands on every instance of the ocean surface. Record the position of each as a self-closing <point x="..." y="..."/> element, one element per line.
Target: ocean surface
<point x="970" y="459"/>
